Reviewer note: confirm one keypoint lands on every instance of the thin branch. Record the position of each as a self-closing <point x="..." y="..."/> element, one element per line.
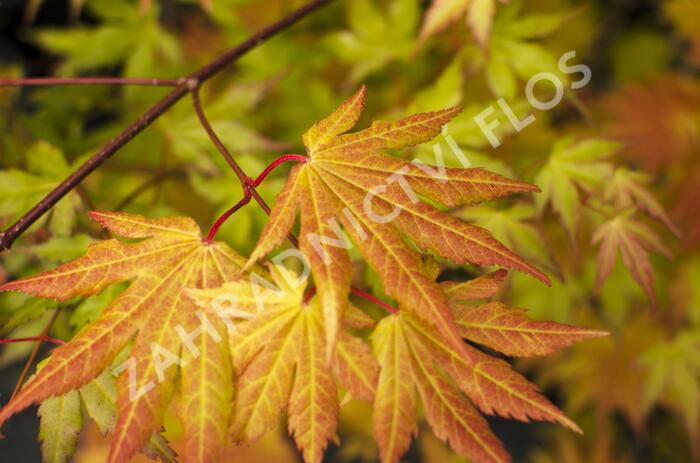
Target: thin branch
<point x="35" y="352"/>
<point x="195" y="79"/>
<point x="247" y="183"/>
<point x="63" y="81"/>
<point x="197" y="103"/>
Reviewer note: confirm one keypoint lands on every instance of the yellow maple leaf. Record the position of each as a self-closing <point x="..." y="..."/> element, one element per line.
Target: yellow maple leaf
<point x="280" y="365"/>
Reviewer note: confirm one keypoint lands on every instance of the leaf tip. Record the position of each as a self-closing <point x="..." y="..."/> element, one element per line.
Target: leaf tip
<point x="536" y="273"/>
<point x="576" y="429"/>
<point x="16" y="285"/>
<point x="598" y="333"/>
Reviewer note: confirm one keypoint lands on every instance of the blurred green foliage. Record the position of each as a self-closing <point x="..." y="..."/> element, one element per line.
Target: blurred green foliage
<point x="635" y="394"/>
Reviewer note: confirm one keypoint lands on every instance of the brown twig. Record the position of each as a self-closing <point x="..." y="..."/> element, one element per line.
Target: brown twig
<point x="62" y="81"/>
<point x="184" y="86"/>
<point x="247" y="182"/>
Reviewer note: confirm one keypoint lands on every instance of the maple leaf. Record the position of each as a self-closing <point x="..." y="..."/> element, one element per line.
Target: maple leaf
<point x="627" y="189"/>
<point x="61" y="422"/>
<point x="378" y="34"/>
<point x="127" y="37"/>
<point x="505" y="329"/>
<point x="510" y="331"/>
<point x="441" y="374"/>
<point x="631" y="238"/>
<point x="514" y="227"/>
<point x="572" y="166"/>
<point x="280" y="364"/>
<point x="404" y="345"/>
<point x="154" y="310"/>
<point x="479" y="14"/>
<point x="658" y="122"/>
<point x="375" y="197"/>
<point x="513" y="52"/>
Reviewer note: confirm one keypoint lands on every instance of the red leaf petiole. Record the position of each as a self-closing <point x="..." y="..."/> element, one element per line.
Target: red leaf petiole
<point x="309" y="294"/>
<point x="359" y="293"/>
<point x="33" y="338"/>
<point x="224" y="217"/>
<point x="248" y="185"/>
<point x="273" y="165"/>
<point x="373" y="299"/>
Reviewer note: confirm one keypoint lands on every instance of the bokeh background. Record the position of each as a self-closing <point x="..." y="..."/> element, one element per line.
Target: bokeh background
<point x="622" y="152"/>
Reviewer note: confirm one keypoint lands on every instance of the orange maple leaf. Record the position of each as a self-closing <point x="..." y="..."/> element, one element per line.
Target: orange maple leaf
<point x="505" y="329"/>
<point x="279" y="365"/>
<point x="413" y="356"/>
<point x="162" y="320"/>
<point x="379" y="201"/>
<point x="405" y="345"/>
<point x="627" y="189"/>
<point x="632" y="239"/>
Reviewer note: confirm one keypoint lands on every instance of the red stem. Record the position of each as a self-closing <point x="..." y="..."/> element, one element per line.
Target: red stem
<point x="53" y="81"/>
<point x="309" y="294"/>
<point x="246" y="181"/>
<point x="35" y="351"/>
<point x="249" y="191"/>
<point x="374" y="300"/>
<point x="224" y="217"/>
<point x="359" y="293"/>
<point x="277" y="162"/>
<point x="248" y="184"/>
